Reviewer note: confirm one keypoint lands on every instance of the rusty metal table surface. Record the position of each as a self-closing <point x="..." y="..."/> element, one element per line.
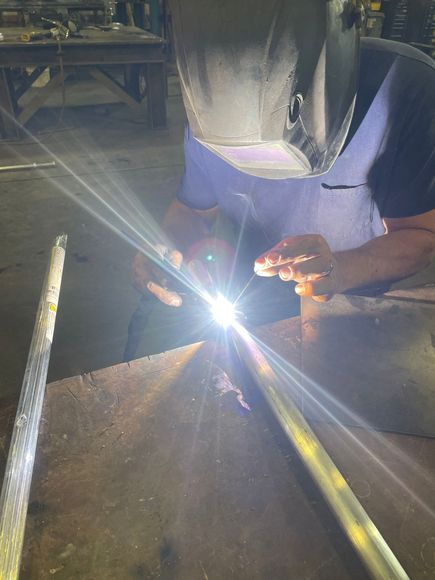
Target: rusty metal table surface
<point x="15" y="52"/>
<point x="144" y="470"/>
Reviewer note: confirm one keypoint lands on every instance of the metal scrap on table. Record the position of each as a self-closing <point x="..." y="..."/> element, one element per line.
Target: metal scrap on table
<point x="223" y="383"/>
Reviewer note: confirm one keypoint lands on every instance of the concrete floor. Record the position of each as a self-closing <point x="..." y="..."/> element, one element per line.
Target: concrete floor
<point x="108" y="147"/>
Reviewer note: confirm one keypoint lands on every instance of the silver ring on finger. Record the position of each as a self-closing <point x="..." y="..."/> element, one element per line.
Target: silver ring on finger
<point x="327" y="272"/>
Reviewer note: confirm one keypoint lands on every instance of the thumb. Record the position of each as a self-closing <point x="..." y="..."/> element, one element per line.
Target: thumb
<point x="176" y="259"/>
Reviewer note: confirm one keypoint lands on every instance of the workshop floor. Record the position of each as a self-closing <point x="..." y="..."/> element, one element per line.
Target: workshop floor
<point x="104" y="145"/>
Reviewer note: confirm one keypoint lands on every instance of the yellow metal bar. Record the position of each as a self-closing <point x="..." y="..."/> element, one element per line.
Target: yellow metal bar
<point x="366" y="539"/>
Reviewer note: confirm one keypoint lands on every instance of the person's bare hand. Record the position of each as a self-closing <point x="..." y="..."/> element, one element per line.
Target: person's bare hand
<point x="308" y="260"/>
<point x="149" y="277"/>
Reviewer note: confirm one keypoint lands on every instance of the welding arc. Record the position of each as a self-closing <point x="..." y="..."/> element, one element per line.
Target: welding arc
<point x="364" y="536"/>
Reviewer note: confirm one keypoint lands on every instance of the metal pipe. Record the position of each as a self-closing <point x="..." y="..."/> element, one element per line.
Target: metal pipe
<point x="45" y="165"/>
<point x="14" y="497"/>
<point x="366" y="539"/>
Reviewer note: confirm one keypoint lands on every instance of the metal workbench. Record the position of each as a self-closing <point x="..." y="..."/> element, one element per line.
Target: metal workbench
<point x="138" y="51"/>
<point x="145" y="471"/>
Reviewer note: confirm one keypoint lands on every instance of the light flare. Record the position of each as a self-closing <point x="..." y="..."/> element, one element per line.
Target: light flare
<point x="223" y="311"/>
<point x="107" y="198"/>
<point x="113" y="204"/>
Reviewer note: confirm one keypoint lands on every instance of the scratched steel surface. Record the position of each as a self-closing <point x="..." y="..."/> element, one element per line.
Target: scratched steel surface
<point x="147" y="471"/>
<point x="376" y="356"/>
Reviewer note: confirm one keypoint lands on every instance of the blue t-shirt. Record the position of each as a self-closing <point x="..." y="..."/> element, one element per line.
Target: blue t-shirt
<point x="386" y="168"/>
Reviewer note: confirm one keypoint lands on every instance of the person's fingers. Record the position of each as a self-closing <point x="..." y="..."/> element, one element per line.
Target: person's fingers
<point x="322" y="287"/>
<point x="263" y="267"/>
<point x="266" y="261"/>
<point x="176" y="259"/>
<point x="300" y="247"/>
<point x="267" y="272"/>
<point x="294" y="270"/>
<point x="297" y="248"/>
<point x="162" y="250"/>
<point x="311" y="268"/>
<point x="306" y="270"/>
<point x="166" y="296"/>
<point x="323" y="298"/>
<point x="287" y="273"/>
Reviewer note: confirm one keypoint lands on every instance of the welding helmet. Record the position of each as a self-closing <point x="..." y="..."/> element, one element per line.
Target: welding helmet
<point x="269" y="86"/>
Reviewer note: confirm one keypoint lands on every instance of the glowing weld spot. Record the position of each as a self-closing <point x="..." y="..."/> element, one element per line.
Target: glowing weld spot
<point x="223" y="311"/>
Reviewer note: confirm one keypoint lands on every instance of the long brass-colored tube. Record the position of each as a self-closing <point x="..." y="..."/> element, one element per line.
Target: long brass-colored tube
<point x="366" y="539"/>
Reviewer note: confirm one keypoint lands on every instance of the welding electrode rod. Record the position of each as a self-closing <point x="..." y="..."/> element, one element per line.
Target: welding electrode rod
<point x="367" y="541"/>
<point x="45" y="165"/>
<point x="14" y="497"/>
<point x="248" y="283"/>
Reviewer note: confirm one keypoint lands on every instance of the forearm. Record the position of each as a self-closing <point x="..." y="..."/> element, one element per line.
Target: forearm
<point x="185" y="226"/>
<point x="388" y="258"/>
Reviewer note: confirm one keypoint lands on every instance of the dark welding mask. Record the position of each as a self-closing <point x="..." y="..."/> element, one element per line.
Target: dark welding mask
<point x="269" y="86"/>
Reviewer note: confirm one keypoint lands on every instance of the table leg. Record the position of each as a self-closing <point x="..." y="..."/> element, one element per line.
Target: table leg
<point x="156" y="93"/>
<point x="36" y="103"/>
<point x="110" y="83"/>
<point x="134" y="74"/>
<point x="8" y="127"/>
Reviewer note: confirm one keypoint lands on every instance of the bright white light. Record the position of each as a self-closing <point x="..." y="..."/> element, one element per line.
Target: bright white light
<point x="223" y="311"/>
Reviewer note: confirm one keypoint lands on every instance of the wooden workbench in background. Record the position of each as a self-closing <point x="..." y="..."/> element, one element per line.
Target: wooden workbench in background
<point x="140" y="53"/>
<point x="144" y="470"/>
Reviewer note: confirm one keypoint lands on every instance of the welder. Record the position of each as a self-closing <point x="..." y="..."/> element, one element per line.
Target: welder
<point x="315" y="144"/>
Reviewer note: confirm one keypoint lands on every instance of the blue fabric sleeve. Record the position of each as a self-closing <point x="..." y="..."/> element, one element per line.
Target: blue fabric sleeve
<point x="411" y="183"/>
<point x="196" y="189"/>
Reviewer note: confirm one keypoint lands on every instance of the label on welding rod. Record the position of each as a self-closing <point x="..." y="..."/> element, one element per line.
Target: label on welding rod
<point x="55" y="275"/>
<point x="51" y="321"/>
